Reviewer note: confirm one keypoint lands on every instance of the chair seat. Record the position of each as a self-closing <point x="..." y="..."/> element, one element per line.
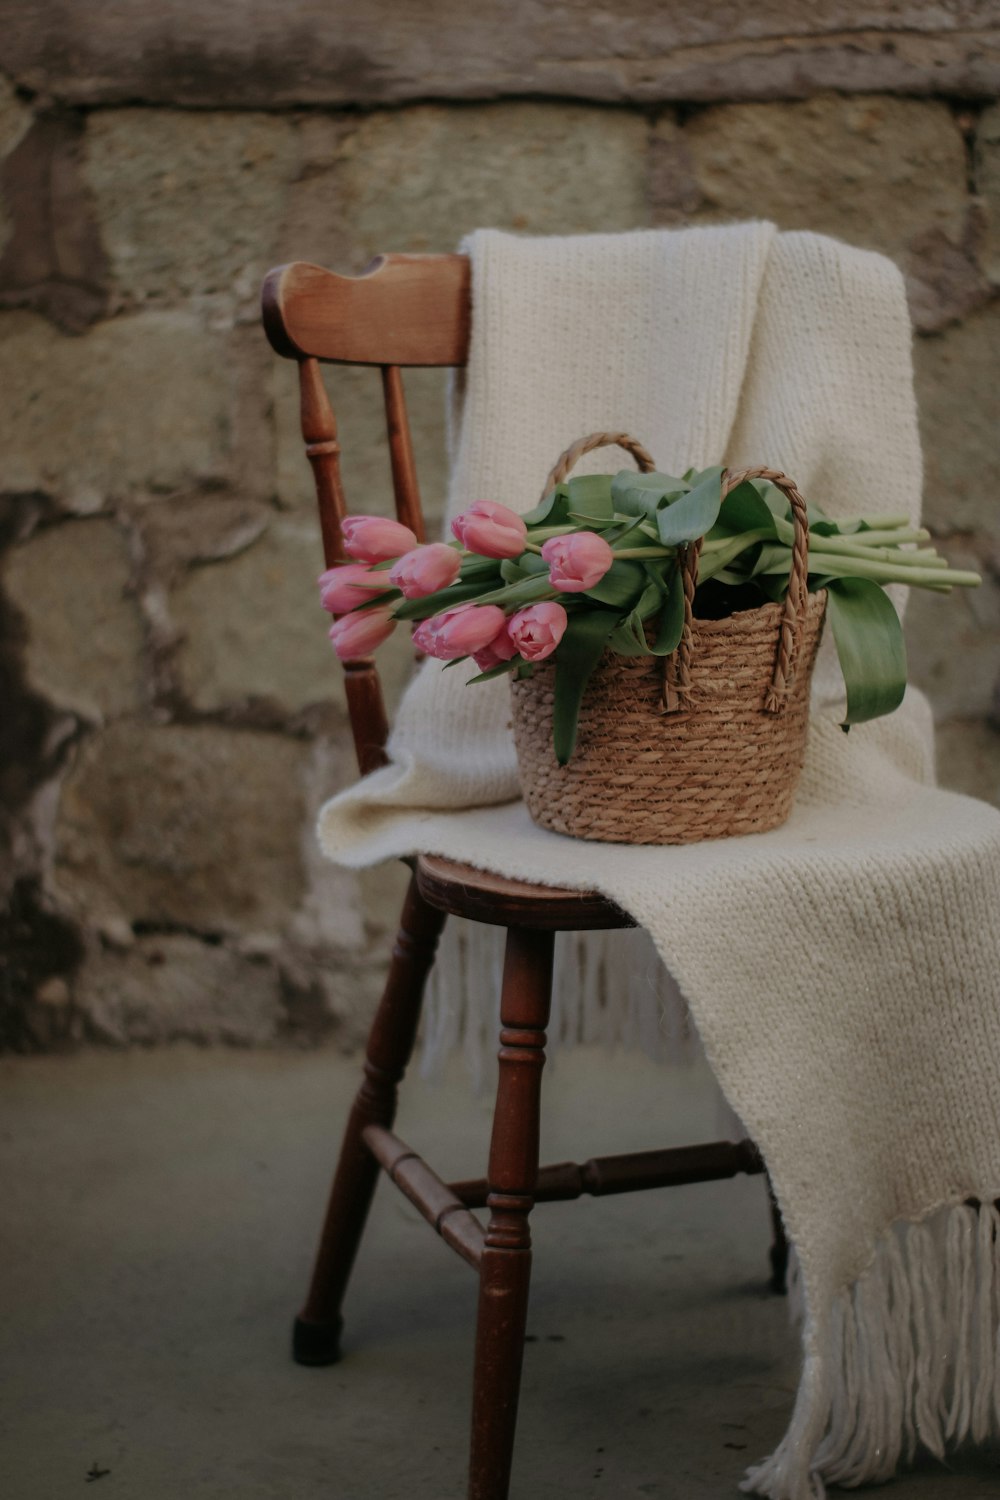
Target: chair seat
<point x="464" y="891"/>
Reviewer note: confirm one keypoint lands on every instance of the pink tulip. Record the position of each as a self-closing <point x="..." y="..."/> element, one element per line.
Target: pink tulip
<point x="358" y="634"/>
<point x="537" y="630"/>
<point x="500" y="648"/>
<point x="460" y="631"/>
<point x="577" y="561"/>
<point x="342" y="589"/>
<point x="425" y="570"/>
<point x="490" y="529"/>
<point x="374" y="539"/>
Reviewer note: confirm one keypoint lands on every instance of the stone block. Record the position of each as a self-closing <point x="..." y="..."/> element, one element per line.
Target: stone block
<point x="315" y="222"/>
<point x="253" y="628"/>
<point x="875" y="171"/>
<point x="248" y="53"/>
<point x="944" y="283"/>
<point x="968" y="757"/>
<point x="356" y="395"/>
<point x="957" y="378"/>
<point x="138" y="405"/>
<point x="987" y="181"/>
<point x="198" y="527"/>
<point x="189" y="203"/>
<point x="422" y="178"/>
<point x="71" y="582"/>
<point x="15" y="121"/>
<point x="198" y="827"/>
<point x="53" y="259"/>
<point x="174" y="988"/>
<point x="15" y="117"/>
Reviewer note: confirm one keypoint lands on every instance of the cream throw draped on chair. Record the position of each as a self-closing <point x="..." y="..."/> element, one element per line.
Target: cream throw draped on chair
<point x="843" y="969"/>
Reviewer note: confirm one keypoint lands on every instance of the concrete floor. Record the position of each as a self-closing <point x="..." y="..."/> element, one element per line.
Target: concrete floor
<point x="160" y="1212"/>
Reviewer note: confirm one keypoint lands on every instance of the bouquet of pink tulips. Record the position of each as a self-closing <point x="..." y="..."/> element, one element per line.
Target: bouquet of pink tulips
<point x="596" y="566"/>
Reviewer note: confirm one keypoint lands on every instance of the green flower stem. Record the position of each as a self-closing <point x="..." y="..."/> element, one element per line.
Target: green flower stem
<point x="880" y="523"/>
<point x="526" y="591"/>
<point x="542" y="533"/>
<point x="835" y="546"/>
<point x="883" y="572"/>
<point x="876" y="537"/>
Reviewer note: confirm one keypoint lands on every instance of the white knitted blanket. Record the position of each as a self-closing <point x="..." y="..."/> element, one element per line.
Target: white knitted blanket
<point x="843" y="969"/>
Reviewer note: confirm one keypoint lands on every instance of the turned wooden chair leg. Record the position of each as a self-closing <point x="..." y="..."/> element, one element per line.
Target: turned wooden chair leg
<point x="505" y="1268"/>
<point x="779" y="1246"/>
<point x="316" y="1337"/>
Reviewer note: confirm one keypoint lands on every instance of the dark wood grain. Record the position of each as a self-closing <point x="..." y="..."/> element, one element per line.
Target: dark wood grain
<point x="484" y="896"/>
<point x="411" y="310"/>
<point x="409" y="509"/>
<point x="505" y="1269"/>
<point x="447" y="1215"/>
<point x="390" y="1043"/>
<point x="633" y="1172"/>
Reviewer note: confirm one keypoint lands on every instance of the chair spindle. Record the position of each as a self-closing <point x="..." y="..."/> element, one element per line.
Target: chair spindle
<point x="404" y="469"/>
<point x="365" y="704"/>
<point x="319" y="429"/>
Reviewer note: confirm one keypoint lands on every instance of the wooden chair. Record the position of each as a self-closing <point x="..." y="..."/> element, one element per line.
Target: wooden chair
<point x="414" y="310"/>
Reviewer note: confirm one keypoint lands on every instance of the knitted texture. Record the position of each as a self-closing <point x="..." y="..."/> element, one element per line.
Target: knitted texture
<point x="841" y="969"/>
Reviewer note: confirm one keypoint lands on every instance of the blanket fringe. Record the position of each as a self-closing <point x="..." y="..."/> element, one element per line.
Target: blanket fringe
<point x="910" y="1358"/>
<point x="609" y="987"/>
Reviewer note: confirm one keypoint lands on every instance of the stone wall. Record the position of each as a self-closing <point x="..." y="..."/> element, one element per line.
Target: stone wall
<point x="172" y="714"/>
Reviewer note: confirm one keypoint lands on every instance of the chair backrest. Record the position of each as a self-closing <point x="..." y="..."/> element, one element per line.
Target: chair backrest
<point x="402" y="311"/>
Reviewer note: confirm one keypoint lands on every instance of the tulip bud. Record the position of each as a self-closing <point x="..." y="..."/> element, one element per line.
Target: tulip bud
<point x="358" y="634"/>
<point x="460" y="631"/>
<point x="577" y="561"/>
<point x="501" y="648"/>
<point x="344" y="588"/>
<point x="374" y="539"/>
<point x="491" y="530"/>
<point x="425" y="570"/>
<point x="537" y="630"/>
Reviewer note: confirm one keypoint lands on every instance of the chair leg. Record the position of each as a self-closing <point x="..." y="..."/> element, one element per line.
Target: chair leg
<point x="779" y="1246"/>
<point x="316" y="1336"/>
<point x="505" y="1268"/>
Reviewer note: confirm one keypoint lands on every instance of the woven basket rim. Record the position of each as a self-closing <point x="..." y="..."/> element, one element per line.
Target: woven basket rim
<point x="768" y="609"/>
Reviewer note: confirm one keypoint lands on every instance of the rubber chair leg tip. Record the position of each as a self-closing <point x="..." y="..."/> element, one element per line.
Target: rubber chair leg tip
<point x="316" y="1343"/>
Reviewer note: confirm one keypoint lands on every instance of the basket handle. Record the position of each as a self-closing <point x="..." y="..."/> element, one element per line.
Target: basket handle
<point x="567" y="461"/>
<point x="677" y="668"/>
<point x="677" y="686"/>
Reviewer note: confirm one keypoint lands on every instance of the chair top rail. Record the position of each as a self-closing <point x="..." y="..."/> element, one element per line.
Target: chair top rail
<point x="409" y="310"/>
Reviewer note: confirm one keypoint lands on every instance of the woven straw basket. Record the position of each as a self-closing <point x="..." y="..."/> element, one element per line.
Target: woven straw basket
<point x="704" y="744"/>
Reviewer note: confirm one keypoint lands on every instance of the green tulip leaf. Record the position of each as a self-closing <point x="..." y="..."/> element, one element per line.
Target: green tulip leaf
<point x="576" y="656"/>
<point x="744" y="509"/>
<point x="671" y="626"/>
<point x="481" y="568"/>
<point x="643" y="494"/>
<point x="869" y="641"/>
<point x="590" y="492"/>
<point x="501" y="670"/>
<point x="551" y="511"/>
<point x="621" y="585"/>
<point x="433" y="604"/>
<point x="528" y="565"/>
<point x="694" y="513"/>
<point x="627" y="638"/>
